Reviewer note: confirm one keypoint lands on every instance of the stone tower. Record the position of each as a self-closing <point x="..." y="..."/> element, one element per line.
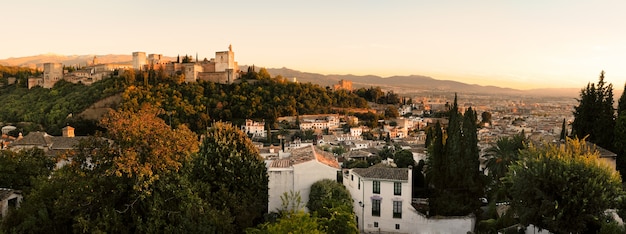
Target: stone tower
<point x="225" y="62"/>
<point x="139" y="59"/>
<point x="52" y="72"/>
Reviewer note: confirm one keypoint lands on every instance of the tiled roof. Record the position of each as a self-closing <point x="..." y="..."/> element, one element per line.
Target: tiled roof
<point x="34" y="138"/>
<point x="385" y="173"/>
<point x="305" y="154"/>
<point x="59" y="143"/>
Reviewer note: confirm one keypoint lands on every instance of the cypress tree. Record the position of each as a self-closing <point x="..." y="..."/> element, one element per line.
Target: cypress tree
<point x="563" y="131"/>
<point x="594" y="116"/>
<point x="454" y="172"/>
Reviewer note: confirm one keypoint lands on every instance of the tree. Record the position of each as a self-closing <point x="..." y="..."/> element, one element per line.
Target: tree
<point x="564" y="189"/>
<point x="296" y="222"/>
<point x="563" y="131"/>
<point x="404" y="159"/>
<point x="128" y="183"/>
<point x="485" y="118"/>
<point x="18" y="170"/>
<point x="453" y="171"/>
<point x="339" y="150"/>
<point x="499" y="157"/>
<point x="146" y="145"/>
<point x="232" y="175"/>
<point x="332" y="204"/>
<point x="594" y="117"/>
<point x="391" y="112"/>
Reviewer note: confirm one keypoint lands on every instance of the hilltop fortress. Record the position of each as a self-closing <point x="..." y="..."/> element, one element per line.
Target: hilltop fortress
<point x="221" y="69"/>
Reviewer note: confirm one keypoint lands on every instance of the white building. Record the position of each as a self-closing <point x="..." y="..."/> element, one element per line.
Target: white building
<point x="383" y="203"/>
<point x="298" y="172"/>
<point x="256" y="129"/>
<point x="356" y="131"/>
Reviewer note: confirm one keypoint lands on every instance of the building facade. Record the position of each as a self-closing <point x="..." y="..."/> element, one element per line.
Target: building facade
<point x="297" y="172"/>
<point x="383" y="204"/>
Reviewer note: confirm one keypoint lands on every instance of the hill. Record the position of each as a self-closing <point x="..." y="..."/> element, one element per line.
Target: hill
<point x="400" y="84"/>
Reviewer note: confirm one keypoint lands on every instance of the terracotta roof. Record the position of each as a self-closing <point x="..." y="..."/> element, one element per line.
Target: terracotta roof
<point x="305" y="154"/>
<point x="385" y="173"/>
<point x="325" y="157"/>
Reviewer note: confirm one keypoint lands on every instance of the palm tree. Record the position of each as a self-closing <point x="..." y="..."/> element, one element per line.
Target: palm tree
<point x="500" y="156"/>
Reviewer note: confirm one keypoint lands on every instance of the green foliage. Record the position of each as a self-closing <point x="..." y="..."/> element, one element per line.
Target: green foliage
<point x="327" y="193"/>
<point x="404" y="159"/>
<point x="297" y="222"/>
<point x="564" y="189"/>
<point x="18" y="170"/>
<point x="499" y="157"/>
<point x="139" y="184"/>
<point x="339" y="150"/>
<point x="53" y="108"/>
<point x="232" y="175"/>
<point x="332" y="204"/>
<point x="291" y="202"/>
<point x="453" y="171"/>
<point x="391" y="112"/>
<point x="594" y="116"/>
<point x="198" y="103"/>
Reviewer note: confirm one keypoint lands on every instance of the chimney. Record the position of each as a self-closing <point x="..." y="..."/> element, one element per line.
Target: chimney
<point x="68" y="131"/>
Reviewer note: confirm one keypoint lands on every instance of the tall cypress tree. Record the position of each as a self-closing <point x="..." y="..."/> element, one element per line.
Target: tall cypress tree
<point x="619" y="143"/>
<point x="563" y="131"/>
<point x="454" y="171"/>
<point x="594" y="116"/>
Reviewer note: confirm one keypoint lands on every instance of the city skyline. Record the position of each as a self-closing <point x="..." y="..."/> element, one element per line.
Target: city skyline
<point x="522" y="45"/>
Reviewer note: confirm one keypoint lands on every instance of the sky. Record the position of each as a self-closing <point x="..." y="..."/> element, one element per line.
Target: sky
<point x="516" y="44"/>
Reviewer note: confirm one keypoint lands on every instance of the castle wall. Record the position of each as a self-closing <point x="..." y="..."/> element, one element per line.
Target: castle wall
<point x="139" y="59"/>
<point x="191" y="71"/>
<point x="216" y="77"/>
<point x="52" y="72"/>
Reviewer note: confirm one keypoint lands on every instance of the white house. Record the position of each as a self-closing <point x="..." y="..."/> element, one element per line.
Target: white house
<point x="383" y="203"/>
<point x="256" y="129"/>
<point x="356" y="131"/>
<point x="298" y="172"/>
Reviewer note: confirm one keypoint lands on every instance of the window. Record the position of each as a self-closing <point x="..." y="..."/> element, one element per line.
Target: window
<point x="397" y="209"/>
<point x="397" y="226"/>
<point x="375" y="224"/>
<point x="359" y="183"/>
<point x="397" y="188"/>
<point x="376" y="188"/>
<point x="352" y="177"/>
<point x="376" y="208"/>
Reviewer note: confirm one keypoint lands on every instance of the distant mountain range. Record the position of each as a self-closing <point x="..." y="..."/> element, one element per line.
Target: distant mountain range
<point x="400" y="84"/>
<point x="417" y="83"/>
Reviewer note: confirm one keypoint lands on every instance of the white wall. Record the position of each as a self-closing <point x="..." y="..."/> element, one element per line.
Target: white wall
<point x="307" y="173"/>
<point x="280" y="181"/>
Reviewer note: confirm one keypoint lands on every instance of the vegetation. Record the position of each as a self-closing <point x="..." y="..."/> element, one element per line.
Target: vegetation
<point x="331" y="203"/>
<point x="453" y="166"/>
<point x="594" y="117"/>
<point x="564" y="189"/>
<point x="149" y="178"/>
<point x="19" y="170"/>
<point x="500" y="157"/>
<point x="231" y="175"/>
<point x="52" y="109"/>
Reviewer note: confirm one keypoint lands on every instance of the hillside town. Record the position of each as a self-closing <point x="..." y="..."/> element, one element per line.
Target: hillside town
<point x="345" y="146"/>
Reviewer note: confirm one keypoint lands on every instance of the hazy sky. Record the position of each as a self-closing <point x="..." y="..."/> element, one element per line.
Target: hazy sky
<point x="519" y="44"/>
